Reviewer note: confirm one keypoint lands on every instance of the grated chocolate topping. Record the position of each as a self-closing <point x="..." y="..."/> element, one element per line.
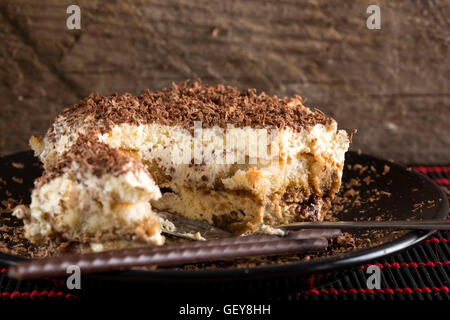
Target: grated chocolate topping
<point x="223" y="105"/>
<point x="184" y="103"/>
<point x="92" y="155"/>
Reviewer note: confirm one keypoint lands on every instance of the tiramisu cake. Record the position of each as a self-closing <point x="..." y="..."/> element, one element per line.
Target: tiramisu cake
<point x="236" y="159"/>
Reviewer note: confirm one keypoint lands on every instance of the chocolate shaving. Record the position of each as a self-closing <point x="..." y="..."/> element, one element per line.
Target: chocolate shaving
<point x="92" y="155"/>
<point x="17" y="180"/>
<point x="182" y="104"/>
<point x="17" y="165"/>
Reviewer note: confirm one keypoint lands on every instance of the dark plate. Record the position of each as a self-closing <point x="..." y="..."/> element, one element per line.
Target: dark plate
<point x="406" y="189"/>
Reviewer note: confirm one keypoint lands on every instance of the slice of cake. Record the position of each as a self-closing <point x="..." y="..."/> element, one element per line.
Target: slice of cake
<point x="236" y="159"/>
<point x="93" y="194"/>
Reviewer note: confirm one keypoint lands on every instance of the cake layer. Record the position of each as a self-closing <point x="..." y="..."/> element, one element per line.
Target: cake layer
<point x="94" y="194"/>
<point x="240" y="212"/>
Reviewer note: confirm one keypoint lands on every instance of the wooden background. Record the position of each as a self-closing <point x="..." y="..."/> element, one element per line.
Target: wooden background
<point x="391" y="84"/>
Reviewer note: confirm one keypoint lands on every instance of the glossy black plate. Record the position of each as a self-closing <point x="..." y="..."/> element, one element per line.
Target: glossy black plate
<point x="407" y="191"/>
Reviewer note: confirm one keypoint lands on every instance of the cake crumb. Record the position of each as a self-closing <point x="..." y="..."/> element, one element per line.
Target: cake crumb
<point x="17" y="165"/>
<point x="17" y="180"/>
<point x="271" y="230"/>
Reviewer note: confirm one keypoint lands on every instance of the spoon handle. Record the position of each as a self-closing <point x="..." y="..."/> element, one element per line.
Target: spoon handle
<point x="404" y="225"/>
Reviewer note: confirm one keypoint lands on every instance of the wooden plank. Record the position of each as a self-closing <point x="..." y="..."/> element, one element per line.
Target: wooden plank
<point x="391" y="84"/>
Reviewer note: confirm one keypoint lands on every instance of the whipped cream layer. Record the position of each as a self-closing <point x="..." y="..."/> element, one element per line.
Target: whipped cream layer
<point x="288" y="158"/>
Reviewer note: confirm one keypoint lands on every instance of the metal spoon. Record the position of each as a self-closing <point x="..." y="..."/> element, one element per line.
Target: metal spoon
<point x="191" y="229"/>
<point x="196" y="230"/>
<point x="399" y="224"/>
